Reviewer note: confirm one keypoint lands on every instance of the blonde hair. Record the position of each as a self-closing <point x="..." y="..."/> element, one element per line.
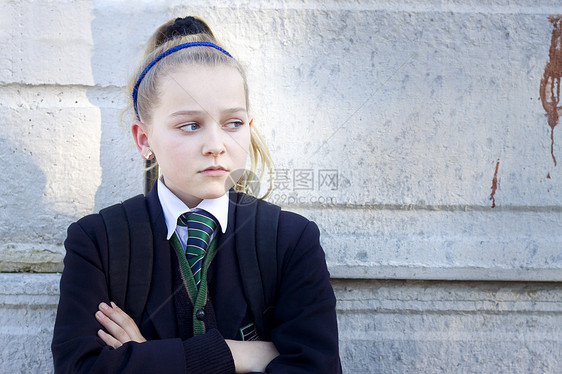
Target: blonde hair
<point x="261" y="162"/>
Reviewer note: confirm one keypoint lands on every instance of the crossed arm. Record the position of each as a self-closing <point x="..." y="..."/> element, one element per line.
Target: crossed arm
<point x="248" y="356"/>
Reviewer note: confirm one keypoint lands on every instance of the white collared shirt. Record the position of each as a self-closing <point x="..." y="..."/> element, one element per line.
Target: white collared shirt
<point x="173" y="207"/>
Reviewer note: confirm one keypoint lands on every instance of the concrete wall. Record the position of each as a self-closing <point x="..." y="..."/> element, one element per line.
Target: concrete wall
<point x="392" y="124"/>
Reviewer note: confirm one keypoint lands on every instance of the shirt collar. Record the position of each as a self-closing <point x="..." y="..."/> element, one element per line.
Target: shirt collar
<point x="173" y="207"/>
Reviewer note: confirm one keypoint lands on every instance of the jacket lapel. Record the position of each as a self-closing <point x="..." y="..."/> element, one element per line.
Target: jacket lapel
<point x="159" y="306"/>
<point x="229" y="302"/>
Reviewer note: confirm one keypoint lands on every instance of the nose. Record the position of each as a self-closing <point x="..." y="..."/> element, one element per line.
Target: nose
<point x="213" y="144"/>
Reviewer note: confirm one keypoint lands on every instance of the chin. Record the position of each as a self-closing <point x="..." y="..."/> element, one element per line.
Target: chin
<point x="214" y="193"/>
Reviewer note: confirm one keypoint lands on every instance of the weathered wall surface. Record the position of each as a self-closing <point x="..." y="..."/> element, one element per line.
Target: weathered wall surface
<point x="396" y="125"/>
<point x="389" y="326"/>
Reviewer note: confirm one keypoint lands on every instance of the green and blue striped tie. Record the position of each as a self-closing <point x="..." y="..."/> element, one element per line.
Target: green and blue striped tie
<point x="200" y="227"/>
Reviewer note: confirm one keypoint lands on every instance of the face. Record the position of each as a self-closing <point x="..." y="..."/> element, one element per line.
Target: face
<point x="199" y="131"/>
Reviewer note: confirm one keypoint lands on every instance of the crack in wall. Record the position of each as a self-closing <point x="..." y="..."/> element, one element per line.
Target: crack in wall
<point x="495" y="184"/>
<point x="550" y="82"/>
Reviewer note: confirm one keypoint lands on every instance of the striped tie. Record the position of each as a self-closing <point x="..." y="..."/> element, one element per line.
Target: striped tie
<point x="200" y="227"/>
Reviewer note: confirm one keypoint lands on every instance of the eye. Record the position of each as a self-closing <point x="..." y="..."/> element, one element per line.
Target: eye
<point x="233" y="125"/>
<point x="189" y="127"/>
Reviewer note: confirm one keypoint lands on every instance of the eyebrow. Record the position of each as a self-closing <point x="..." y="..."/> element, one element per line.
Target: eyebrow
<point x="180" y="113"/>
<point x="234" y="110"/>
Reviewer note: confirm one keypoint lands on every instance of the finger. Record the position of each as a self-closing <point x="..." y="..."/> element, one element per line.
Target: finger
<point x="113" y="328"/>
<point x="129" y="325"/>
<point x="108" y="339"/>
<point x="118" y="316"/>
<point x="267" y="351"/>
<point x="115" y="306"/>
<point x="114" y="313"/>
<point x="123" y="320"/>
<point x="271" y="350"/>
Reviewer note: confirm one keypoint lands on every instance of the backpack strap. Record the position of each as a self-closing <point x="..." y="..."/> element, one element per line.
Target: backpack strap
<point x="130" y="243"/>
<point x="119" y="251"/>
<point x="267" y="221"/>
<point x="142" y="256"/>
<point x="256" y="248"/>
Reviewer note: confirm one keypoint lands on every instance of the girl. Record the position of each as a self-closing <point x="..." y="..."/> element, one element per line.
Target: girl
<point x="190" y="100"/>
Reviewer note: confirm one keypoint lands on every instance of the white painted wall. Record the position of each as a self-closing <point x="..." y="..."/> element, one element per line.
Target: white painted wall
<point x="412" y="103"/>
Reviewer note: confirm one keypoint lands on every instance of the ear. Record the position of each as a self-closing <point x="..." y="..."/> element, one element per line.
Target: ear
<point x="140" y="135"/>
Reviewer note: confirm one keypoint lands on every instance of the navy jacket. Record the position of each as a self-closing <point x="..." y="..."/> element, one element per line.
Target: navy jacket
<point x="305" y="332"/>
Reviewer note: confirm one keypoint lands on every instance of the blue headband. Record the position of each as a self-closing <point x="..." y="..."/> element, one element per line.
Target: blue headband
<point x="161" y="56"/>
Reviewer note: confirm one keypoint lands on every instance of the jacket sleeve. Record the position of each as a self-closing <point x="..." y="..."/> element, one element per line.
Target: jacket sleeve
<point x="76" y="347"/>
<point x="305" y="332"/>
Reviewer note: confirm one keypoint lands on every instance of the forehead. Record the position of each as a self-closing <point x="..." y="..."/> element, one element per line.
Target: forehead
<point x="201" y="84"/>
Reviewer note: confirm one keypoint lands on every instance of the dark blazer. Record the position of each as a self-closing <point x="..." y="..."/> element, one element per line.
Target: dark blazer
<point x="305" y="332"/>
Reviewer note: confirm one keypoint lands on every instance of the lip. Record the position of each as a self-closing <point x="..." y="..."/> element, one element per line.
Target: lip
<point x="214" y="171"/>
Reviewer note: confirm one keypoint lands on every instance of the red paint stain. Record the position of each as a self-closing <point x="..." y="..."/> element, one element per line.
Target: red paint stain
<point x="495" y="184"/>
<point x="550" y="82"/>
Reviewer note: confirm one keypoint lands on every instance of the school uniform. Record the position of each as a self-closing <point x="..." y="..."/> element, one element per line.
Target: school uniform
<point x="305" y="332"/>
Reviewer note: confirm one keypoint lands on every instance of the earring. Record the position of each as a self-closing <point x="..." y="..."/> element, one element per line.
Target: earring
<point x="147" y="153"/>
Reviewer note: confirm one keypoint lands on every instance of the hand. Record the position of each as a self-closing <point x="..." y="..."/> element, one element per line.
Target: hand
<point x="120" y="327"/>
<point x="251" y="356"/>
